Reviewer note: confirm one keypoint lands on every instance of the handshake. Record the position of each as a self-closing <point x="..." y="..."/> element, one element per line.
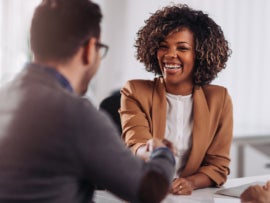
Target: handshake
<point x="145" y="150"/>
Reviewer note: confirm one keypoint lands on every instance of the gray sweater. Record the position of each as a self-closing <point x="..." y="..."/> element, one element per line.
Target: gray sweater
<point x="55" y="147"/>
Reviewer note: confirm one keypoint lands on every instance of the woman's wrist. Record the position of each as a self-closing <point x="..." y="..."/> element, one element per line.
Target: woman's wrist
<point x="199" y="180"/>
<point x="142" y="152"/>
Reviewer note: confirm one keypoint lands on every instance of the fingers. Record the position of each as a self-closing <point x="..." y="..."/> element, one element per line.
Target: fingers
<point x="143" y="153"/>
<point x="170" y="145"/>
<point x="252" y="193"/>
<point x="181" y="186"/>
<point x="167" y="143"/>
<point x="149" y="146"/>
<point x="153" y="144"/>
<point x="246" y="195"/>
<point x="267" y="186"/>
<point x="156" y="143"/>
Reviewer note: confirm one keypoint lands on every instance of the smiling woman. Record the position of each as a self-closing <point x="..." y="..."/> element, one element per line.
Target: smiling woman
<point x="186" y="49"/>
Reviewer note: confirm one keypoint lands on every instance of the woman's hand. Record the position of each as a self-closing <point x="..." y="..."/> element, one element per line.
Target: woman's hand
<point x="185" y="186"/>
<point x="256" y="194"/>
<point x="156" y="143"/>
<point x="181" y="186"/>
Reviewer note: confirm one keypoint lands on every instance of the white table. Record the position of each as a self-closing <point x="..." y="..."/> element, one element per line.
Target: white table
<point x="206" y="195"/>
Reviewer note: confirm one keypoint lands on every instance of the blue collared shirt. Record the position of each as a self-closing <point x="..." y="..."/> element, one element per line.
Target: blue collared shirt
<point x="60" y="78"/>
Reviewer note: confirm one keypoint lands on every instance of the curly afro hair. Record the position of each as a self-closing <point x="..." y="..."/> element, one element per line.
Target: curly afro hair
<point x="211" y="47"/>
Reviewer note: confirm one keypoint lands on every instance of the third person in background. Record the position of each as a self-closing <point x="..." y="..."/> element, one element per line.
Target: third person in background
<point x="256" y="194"/>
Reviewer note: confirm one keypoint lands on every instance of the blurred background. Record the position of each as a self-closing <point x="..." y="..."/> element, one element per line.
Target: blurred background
<point x="247" y="75"/>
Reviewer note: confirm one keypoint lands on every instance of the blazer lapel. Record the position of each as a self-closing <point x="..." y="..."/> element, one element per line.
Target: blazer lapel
<point x="200" y="135"/>
<point x="159" y="109"/>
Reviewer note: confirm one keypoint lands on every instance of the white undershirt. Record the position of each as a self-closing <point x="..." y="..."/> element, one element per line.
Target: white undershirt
<point x="179" y="125"/>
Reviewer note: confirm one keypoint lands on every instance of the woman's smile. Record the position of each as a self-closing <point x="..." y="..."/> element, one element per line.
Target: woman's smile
<point x="176" y="58"/>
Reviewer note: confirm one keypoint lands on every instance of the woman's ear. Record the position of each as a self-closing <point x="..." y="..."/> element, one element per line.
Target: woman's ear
<point x="89" y="51"/>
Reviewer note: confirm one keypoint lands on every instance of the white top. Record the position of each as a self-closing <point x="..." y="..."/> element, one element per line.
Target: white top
<point x="179" y="125"/>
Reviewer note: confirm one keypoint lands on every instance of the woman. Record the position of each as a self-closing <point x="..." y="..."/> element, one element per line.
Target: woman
<point x="186" y="49"/>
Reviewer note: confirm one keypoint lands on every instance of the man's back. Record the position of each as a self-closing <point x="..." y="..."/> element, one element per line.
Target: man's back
<point x="39" y="142"/>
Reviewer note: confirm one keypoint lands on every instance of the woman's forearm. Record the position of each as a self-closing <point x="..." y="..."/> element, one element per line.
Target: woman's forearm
<point x="199" y="180"/>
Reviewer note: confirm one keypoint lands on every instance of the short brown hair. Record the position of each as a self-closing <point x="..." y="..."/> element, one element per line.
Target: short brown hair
<point x="60" y="27"/>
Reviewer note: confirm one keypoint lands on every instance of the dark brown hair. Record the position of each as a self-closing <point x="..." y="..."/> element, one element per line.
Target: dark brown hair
<point x="60" y="27"/>
<point x="211" y="47"/>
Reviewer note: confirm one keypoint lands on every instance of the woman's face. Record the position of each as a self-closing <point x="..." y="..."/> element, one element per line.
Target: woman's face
<point x="176" y="57"/>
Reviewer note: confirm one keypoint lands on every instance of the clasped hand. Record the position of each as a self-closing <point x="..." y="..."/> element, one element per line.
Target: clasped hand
<point x="180" y="186"/>
<point x="145" y="150"/>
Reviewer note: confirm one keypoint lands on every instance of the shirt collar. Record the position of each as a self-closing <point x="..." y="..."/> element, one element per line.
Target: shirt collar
<point x="60" y="78"/>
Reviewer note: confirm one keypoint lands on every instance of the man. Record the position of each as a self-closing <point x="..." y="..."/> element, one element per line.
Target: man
<point x="55" y="147"/>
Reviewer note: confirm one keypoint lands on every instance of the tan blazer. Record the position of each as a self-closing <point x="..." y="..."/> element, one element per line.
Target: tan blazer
<point x="143" y="116"/>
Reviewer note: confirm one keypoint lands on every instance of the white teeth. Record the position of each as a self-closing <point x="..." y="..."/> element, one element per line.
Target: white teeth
<point x="167" y="66"/>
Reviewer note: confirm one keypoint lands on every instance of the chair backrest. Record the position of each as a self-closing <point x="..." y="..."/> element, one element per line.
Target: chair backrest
<point x="111" y="105"/>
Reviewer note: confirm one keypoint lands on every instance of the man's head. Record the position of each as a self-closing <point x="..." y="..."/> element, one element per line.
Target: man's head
<point x="60" y="27"/>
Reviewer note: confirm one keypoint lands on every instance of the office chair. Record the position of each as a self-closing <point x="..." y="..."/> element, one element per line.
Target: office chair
<point x="110" y="105"/>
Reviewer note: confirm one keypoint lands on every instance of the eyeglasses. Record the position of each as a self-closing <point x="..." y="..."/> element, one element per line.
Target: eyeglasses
<point x="103" y="49"/>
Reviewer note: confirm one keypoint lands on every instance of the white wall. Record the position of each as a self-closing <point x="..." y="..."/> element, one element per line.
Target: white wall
<point x="244" y="23"/>
<point x="15" y="16"/>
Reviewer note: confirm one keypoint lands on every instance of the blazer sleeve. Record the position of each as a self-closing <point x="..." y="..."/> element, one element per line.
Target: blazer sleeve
<point x="217" y="159"/>
<point x="135" y="114"/>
